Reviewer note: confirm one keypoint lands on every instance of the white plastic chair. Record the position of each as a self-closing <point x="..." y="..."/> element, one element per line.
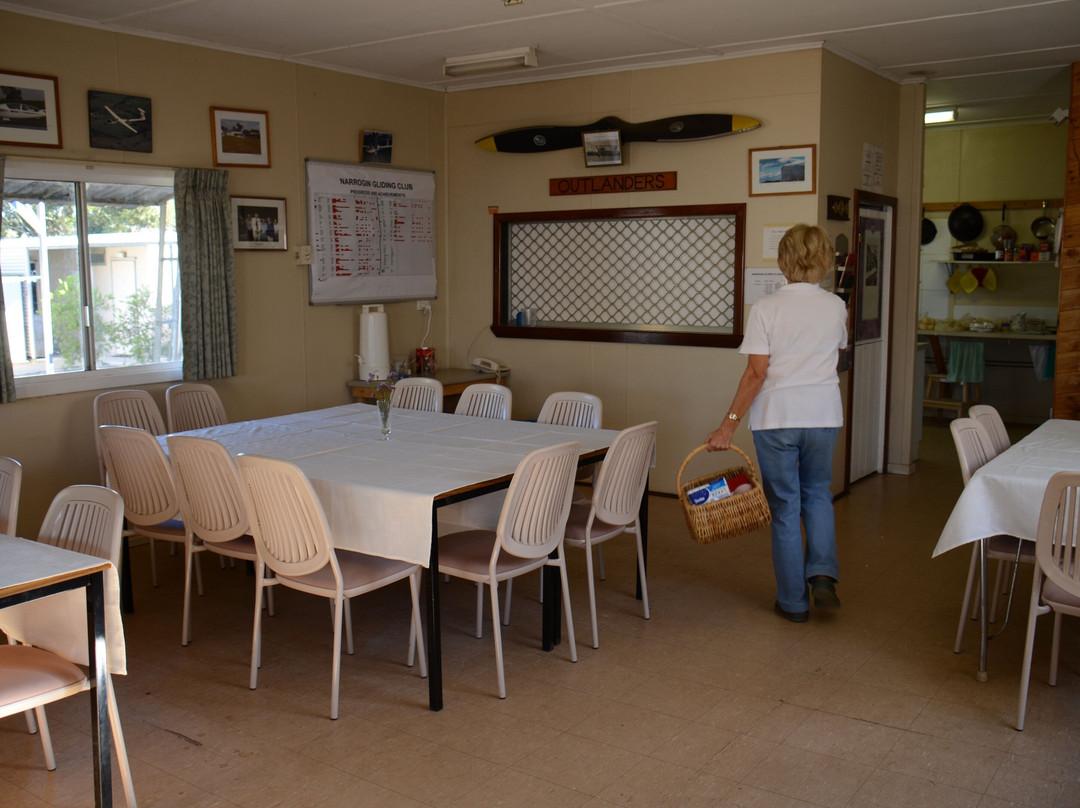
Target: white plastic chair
<point x="10" y="486"/>
<point x="418" y="393"/>
<point x="211" y="500"/>
<point x="87" y="519"/>
<point x="139" y="470"/>
<point x="485" y="401"/>
<point x="293" y="539"/>
<point x="1056" y="582"/>
<point x="974" y="449"/>
<point x="135" y="408"/>
<point x="529" y="536"/>
<point x="193" y="405"/>
<point x="615" y="505"/>
<point x="572" y="409"/>
<point x="991" y="421"/>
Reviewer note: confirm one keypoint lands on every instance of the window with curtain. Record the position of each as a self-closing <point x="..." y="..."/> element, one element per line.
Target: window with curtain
<point x="90" y="275"/>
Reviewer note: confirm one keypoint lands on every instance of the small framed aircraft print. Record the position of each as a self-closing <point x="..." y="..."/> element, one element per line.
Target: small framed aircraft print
<point x="121" y="122"/>
<point x="602" y="148"/>
<point x="241" y="137"/>
<point x="29" y="110"/>
<point x="376" y="147"/>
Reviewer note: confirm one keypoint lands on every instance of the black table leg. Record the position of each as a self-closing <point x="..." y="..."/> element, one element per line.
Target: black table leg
<point x="434" y="623"/>
<point x="551" y="622"/>
<point x="127" y="597"/>
<point x="643" y="524"/>
<point x="99" y="700"/>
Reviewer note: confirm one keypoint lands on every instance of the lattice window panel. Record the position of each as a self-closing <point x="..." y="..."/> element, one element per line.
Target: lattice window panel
<point x="665" y="273"/>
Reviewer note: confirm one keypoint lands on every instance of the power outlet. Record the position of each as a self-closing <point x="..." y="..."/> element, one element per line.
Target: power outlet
<point x="303" y="255"/>
<point x="423" y="305"/>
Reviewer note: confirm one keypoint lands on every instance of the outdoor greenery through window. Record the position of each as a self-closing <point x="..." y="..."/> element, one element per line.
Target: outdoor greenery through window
<point x="89" y="264"/>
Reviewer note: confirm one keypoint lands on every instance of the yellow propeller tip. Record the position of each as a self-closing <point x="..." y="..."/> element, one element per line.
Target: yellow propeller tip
<point x="487" y="143"/>
<point x="740" y="123"/>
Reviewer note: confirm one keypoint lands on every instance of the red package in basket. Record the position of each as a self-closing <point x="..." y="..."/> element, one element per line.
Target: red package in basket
<point x="739" y="483"/>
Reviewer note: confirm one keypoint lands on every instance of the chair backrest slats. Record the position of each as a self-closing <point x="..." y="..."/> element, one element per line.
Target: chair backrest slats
<point x="973" y="447"/>
<point x="193" y="405"/>
<point x="134" y="408"/>
<point x="533" y="517"/>
<point x="572" y="409"/>
<point x="10" y="486"/>
<point x="418" y="393"/>
<point x="624" y="474"/>
<point x="287" y="520"/>
<point x="208" y="488"/>
<point x="87" y="519"/>
<point x="485" y="401"/>
<point x="1056" y="550"/>
<point x="995" y="428"/>
<point x="139" y="470"/>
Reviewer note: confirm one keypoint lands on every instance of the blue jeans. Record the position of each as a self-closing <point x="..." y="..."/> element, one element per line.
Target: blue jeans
<point x="796" y="470"/>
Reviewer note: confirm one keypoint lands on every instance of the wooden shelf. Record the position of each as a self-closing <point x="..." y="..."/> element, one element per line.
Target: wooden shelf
<point x="998" y="263"/>
<point x="1011" y="204"/>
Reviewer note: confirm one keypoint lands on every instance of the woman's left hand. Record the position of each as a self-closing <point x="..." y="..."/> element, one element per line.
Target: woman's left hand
<point x="720" y="438"/>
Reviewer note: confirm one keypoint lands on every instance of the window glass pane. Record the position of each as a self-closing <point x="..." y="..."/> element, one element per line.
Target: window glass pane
<point x="39" y="259"/>
<point x="133" y="274"/>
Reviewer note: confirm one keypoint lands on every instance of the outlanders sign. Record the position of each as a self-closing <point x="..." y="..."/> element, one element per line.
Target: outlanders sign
<point x="614" y="183"/>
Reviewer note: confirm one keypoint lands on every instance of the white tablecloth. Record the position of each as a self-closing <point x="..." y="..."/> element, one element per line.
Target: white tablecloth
<point x="58" y="622"/>
<point x="1005" y="495"/>
<point x="378" y="495"/>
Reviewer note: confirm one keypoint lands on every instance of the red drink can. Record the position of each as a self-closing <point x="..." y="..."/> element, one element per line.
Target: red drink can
<point x="425" y="361"/>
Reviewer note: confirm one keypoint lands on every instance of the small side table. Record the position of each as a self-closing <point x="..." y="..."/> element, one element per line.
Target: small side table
<point x="454" y="382"/>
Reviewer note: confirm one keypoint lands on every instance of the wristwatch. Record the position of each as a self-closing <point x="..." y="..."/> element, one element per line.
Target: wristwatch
<point x="732" y="416"/>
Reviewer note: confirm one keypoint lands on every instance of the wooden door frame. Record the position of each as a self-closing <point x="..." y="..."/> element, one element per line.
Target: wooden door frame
<point x="858" y="198"/>
<point x="1067" y="355"/>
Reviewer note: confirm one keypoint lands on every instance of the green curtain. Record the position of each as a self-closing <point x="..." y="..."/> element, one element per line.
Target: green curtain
<point x="7" y="375"/>
<point x="207" y="273"/>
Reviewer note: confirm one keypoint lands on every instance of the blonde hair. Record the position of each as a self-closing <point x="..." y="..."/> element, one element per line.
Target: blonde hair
<point x="805" y="254"/>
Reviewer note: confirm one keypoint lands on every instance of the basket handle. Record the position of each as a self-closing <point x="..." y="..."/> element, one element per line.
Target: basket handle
<point x="749" y="465"/>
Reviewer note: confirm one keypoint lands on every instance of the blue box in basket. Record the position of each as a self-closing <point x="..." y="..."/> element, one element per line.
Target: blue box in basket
<point x="710" y="492"/>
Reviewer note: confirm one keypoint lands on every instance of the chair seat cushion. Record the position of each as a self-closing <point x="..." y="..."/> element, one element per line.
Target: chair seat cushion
<point x="29" y="673"/>
<point x="1052" y="593"/>
<point x="1005" y="546"/>
<point x="243" y="547"/>
<point x="358" y="571"/>
<point x="579" y="518"/>
<point x="470" y="552"/>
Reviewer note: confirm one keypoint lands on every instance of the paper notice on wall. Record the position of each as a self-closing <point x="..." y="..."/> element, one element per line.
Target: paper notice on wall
<point x="873" y="168"/>
<point x="759" y="283"/>
<point x="770" y="240"/>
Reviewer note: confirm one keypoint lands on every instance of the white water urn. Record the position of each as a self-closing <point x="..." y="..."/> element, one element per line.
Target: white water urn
<point x="374" y="351"/>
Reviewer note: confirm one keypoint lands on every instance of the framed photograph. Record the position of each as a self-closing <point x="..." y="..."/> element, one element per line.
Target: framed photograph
<point x="258" y="224"/>
<point x="602" y="148"/>
<point x="785" y="170"/>
<point x="29" y="110"/>
<point x="837" y="208"/>
<point x="241" y="137"/>
<point x="375" y="147"/>
<point x="121" y="122"/>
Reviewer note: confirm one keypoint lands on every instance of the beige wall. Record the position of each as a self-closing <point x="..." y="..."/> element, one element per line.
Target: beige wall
<point x="292" y="356"/>
<point x="686" y="389"/>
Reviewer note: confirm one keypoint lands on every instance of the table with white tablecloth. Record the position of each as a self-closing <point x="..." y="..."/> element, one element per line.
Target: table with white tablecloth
<point x="40" y="604"/>
<point x="380" y="495"/>
<point x="1004" y="496"/>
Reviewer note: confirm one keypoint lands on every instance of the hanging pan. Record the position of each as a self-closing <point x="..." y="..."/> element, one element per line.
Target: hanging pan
<point x="1002" y="233"/>
<point x="965" y="223"/>
<point x="929" y="231"/>
<point x="1043" y="227"/>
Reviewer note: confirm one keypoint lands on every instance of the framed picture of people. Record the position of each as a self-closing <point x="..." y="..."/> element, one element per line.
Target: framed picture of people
<point x="258" y="223"/>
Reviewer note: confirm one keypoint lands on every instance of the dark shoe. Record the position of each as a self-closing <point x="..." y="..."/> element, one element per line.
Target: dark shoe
<point x="824" y="592"/>
<point x="794" y="617"/>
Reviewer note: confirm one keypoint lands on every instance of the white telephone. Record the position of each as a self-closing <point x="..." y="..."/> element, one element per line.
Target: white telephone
<point x="485" y="365"/>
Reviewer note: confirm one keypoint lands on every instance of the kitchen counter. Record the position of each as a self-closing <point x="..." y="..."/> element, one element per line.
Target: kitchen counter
<point x="1039" y="336"/>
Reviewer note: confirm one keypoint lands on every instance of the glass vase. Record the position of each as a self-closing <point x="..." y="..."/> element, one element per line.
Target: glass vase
<point x="384" y="416"/>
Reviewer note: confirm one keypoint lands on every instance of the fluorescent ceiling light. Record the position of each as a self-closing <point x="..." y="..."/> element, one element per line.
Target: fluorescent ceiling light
<point x="493" y="62"/>
<point x="940" y="115"/>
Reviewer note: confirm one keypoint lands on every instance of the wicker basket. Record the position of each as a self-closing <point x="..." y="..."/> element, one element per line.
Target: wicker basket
<point x="724" y="518"/>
